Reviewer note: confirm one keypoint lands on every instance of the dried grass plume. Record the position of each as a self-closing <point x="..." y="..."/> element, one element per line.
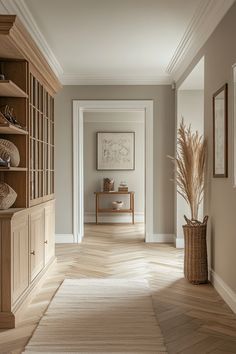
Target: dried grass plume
<point x="190" y="165"/>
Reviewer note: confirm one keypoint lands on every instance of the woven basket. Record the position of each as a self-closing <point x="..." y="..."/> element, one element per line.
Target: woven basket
<point x="195" y="254"/>
<point x="7" y="196"/>
<point x="108" y="184"/>
<point x="8" y="149"/>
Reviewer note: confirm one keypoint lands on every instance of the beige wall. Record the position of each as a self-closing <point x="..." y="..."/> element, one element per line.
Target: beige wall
<point x="191" y="108"/>
<point x="113" y="122"/>
<point x="163" y="132"/>
<point x="220" y="203"/>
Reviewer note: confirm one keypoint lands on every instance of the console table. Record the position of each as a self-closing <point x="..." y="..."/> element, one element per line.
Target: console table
<point x="110" y="210"/>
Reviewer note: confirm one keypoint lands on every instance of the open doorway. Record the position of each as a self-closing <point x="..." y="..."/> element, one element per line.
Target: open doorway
<point x="114" y="151"/>
<point x="81" y="109"/>
<point x="190" y="107"/>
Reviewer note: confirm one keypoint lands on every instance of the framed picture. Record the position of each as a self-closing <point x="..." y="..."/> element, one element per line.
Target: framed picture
<point x="220" y="132"/>
<point x="115" y="150"/>
<point x="234" y="127"/>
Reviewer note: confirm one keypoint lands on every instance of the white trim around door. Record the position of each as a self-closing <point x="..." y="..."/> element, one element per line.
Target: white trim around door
<point x="81" y="106"/>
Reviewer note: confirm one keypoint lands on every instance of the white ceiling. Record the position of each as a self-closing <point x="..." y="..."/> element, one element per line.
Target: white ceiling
<point x="118" y="41"/>
<point x="107" y="37"/>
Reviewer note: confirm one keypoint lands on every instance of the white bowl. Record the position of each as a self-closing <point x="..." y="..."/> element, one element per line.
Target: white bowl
<point x="117" y="205"/>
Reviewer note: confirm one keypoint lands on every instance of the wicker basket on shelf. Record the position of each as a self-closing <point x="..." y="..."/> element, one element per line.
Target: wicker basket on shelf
<point x="7" y="196"/>
<point x="195" y="251"/>
<point x="9" y="150"/>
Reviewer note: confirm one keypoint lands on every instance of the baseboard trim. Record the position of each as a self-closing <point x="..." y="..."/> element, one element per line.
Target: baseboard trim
<point x="179" y="242"/>
<point x="64" y="238"/>
<point x="89" y="217"/>
<point x="160" y="238"/>
<point x="228" y="295"/>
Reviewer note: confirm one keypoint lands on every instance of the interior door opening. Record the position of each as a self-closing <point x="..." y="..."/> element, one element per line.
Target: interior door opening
<point x="114" y="167"/>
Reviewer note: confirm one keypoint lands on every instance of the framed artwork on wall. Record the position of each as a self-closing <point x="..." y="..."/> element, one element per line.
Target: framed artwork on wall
<point x="220" y="132"/>
<point x="234" y="120"/>
<point x="115" y="151"/>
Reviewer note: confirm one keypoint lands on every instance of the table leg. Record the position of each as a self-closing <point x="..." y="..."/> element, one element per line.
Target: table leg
<point x="96" y="208"/>
<point x="132" y="209"/>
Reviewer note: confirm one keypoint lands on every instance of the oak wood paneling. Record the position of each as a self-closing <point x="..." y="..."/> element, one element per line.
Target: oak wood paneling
<point x="49" y="240"/>
<point x="36" y="222"/>
<point x="20" y="255"/>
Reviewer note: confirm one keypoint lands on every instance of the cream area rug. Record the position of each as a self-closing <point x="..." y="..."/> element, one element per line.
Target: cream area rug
<point x="99" y="316"/>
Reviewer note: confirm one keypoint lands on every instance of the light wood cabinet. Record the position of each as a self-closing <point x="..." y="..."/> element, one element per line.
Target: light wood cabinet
<point x="20" y="255"/>
<point x="27" y="228"/>
<point x="49" y="240"/>
<point x="36" y="226"/>
<point x="24" y="255"/>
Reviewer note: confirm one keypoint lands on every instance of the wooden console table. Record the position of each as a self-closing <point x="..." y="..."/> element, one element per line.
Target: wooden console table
<point x="110" y="210"/>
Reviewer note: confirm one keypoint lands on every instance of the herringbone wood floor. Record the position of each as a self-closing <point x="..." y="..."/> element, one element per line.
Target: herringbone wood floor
<point x="193" y="319"/>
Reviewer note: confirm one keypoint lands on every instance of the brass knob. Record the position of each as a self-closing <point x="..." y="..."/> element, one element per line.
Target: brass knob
<point x="46" y="241"/>
<point x="33" y="253"/>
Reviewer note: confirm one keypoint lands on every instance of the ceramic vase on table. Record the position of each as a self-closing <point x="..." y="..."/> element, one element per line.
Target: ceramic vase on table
<point x="108" y="184"/>
<point x="117" y="205"/>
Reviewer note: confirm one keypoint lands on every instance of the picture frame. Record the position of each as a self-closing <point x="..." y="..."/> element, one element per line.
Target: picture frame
<point x="234" y="125"/>
<point x="220" y="132"/>
<point x="115" y="151"/>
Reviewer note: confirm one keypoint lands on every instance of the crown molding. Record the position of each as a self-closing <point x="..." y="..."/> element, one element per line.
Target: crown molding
<point x="19" y="8"/>
<point x="206" y="18"/>
<point x="17" y="43"/>
<point x="3" y="10"/>
<point x="110" y="79"/>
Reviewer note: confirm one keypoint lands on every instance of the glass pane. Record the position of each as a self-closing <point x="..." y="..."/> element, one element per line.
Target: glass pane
<point x="31" y="121"/>
<point x="31" y="154"/>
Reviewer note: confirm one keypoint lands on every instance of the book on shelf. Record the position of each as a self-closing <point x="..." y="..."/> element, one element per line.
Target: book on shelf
<point x="123" y="189"/>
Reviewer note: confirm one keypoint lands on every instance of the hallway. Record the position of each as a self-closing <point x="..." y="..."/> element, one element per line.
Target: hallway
<point x="193" y="319"/>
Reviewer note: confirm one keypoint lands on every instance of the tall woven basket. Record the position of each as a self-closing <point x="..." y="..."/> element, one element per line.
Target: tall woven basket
<point x="195" y="252"/>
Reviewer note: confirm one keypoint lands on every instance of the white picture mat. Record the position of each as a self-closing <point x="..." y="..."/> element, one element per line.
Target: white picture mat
<point x="115" y="150"/>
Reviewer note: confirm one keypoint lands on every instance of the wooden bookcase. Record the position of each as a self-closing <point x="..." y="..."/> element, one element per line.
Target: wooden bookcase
<point x="27" y="229"/>
<point x="33" y="180"/>
<point x="14" y="93"/>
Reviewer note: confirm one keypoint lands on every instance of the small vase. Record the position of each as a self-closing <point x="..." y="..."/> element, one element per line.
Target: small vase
<point x="108" y="184"/>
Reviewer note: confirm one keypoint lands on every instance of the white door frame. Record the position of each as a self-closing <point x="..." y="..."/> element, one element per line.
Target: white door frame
<point x="79" y="107"/>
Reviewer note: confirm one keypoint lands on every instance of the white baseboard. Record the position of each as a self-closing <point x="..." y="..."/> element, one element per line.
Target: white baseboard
<point x="89" y="217"/>
<point x="224" y="290"/>
<point x="160" y="238"/>
<point x="179" y="242"/>
<point x="64" y="238"/>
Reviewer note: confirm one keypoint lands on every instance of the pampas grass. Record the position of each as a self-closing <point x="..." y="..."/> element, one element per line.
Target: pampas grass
<point x="190" y="165"/>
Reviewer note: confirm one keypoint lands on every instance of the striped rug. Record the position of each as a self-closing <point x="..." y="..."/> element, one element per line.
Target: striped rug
<point x="99" y="316"/>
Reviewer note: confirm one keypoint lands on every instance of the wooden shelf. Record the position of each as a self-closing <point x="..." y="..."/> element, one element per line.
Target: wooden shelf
<point x="109" y="210"/>
<point x="8" y="212"/>
<point x="11" y="129"/>
<point x="15" y="169"/>
<point x="9" y="89"/>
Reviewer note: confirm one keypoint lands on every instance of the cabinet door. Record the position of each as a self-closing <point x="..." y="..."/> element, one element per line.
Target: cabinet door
<point x="36" y="242"/>
<point x="20" y="255"/>
<point x="49" y="231"/>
